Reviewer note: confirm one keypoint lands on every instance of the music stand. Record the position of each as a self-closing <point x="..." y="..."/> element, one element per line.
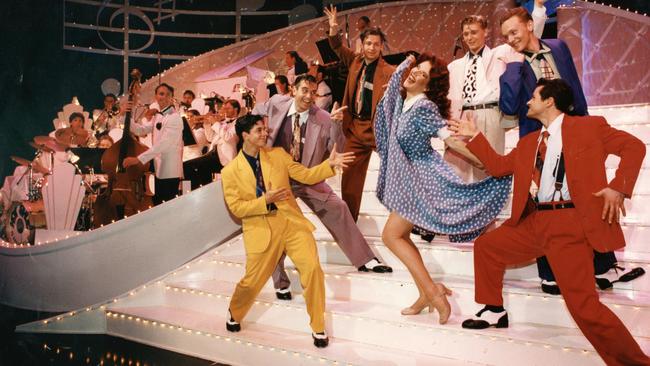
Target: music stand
<point x="89" y="157"/>
<point x="397" y="58"/>
<point x="188" y="136"/>
<point x="326" y="52"/>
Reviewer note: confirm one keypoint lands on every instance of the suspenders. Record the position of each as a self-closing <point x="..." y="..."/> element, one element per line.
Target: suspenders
<point x="559" y="177"/>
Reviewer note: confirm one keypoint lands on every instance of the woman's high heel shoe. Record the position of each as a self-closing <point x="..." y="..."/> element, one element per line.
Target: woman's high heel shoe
<point x="441" y="304"/>
<point x="417" y="307"/>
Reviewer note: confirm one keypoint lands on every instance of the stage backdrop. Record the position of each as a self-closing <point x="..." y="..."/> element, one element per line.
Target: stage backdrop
<point x="611" y="49"/>
<point x="409" y="25"/>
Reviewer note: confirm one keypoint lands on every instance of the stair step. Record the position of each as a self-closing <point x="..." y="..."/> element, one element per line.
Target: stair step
<point x="443" y="258"/>
<point x="372" y="323"/>
<point x="204" y="335"/>
<point x="397" y="290"/>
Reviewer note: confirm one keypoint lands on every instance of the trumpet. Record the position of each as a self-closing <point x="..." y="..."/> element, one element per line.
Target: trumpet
<point x="209" y="118"/>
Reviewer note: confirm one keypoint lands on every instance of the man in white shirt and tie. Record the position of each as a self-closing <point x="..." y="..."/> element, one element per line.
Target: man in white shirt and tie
<point x="474" y="88"/>
<point x="166" y="127"/>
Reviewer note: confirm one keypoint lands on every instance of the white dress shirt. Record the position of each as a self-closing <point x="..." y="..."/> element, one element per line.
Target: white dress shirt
<point x="167" y="146"/>
<point x="303" y="115"/>
<point x="224" y="139"/>
<point x="486" y="91"/>
<point x="546" y="191"/>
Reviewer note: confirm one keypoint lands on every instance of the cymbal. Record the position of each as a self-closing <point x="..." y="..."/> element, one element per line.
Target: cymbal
<point x="40" y="147"/>
<point x="35" y="164"/>
<point x="42" y="139"/>
<point x="20" y="161"/>
<point x="50" y="142"/>
<point x="66" y="137"/>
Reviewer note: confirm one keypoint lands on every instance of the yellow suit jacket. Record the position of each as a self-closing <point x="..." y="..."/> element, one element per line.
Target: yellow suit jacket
<point x="239" y="189"/>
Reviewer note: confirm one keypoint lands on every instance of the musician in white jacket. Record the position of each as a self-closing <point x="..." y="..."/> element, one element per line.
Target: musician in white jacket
<point x="166" y="127"/>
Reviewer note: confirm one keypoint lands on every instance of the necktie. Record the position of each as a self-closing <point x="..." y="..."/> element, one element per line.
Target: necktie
<point x="539" y="165"/>
<point x="295" y="143"/>
<point x="358" y="100"/>
<point x="545" y="67"/>
<point x="259" y="190"/>
<point x="469" y="87"/>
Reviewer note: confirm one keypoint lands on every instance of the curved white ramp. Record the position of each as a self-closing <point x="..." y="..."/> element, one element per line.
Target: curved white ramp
<point x="96" y="266"/>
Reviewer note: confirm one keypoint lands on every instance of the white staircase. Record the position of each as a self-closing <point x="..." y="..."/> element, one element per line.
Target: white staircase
<point x="185" y="310"/>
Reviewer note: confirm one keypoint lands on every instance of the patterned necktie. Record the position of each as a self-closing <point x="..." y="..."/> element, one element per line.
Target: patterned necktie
<point x="295" y="143"/>
<point x="545" y="68"/>
<point x="539" y="165"/>
<point x="260" y="189"/>
<point x="358" y="99"/>
<point x="469" y="87"/>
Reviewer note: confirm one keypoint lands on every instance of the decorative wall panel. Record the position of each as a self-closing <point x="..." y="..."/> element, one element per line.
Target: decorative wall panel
<point x="611" y="48"/>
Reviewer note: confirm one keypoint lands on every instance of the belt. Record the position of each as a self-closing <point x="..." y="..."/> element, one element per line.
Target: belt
<point x="555" y="205"/>
<point x="481" y="106"/>
<point x="360" y="118"/>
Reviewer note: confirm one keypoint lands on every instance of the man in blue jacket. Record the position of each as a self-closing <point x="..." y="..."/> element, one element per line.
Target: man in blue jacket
<point x="548" y="58"/>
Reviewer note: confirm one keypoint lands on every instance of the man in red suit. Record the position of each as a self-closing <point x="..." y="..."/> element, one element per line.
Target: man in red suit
<point x="562" y="207"/>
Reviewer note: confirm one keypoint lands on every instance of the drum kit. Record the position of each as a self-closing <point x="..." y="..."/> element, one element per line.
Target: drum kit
<point x="21" y="217"/>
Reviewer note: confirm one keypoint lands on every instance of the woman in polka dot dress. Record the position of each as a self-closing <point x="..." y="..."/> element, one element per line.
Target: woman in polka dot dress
<point x="416" y="185"/>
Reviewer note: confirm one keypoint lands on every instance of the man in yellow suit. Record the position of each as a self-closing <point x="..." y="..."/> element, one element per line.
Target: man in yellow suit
<point x="257" y="190"/>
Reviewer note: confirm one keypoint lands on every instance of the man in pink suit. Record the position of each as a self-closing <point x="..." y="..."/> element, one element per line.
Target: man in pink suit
<point x="308" y="134"/>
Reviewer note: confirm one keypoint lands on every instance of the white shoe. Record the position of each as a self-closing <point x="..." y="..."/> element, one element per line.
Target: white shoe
<point x="487" y="318"/>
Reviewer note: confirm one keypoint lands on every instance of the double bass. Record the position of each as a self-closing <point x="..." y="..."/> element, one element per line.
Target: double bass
<point x="126" y="186"/>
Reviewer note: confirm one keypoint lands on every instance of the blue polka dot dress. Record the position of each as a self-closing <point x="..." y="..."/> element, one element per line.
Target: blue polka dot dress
<point x="414" y="180"/>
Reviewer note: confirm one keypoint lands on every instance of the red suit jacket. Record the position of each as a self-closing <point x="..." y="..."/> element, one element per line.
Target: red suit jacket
<point x="587" y="141"/>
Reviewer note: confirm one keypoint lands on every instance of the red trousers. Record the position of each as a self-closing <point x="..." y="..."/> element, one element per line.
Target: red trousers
<point x="361" y="141"/>
<point x="557" y="234"/>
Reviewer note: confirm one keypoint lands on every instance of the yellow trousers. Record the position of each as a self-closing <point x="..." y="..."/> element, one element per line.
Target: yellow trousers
<point x="300" y="246"/>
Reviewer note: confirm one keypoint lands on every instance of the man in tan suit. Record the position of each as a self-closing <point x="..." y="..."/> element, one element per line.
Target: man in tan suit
<point x="257" y="190"/>
<point x="368" y="74"/>
<point x="313" y="131"/>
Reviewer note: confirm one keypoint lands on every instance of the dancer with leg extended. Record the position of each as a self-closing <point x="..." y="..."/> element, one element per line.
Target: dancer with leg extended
<point x="436" y="199"/>
<point x="256" y="189"/>
<point x="563" y="207"/>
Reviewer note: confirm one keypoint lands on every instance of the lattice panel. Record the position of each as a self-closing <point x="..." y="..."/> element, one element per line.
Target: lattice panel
<point x="415" y="25"/>
<point x="611" y="49"/>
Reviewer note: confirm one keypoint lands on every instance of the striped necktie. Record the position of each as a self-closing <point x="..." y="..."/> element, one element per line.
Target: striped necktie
<point x="539" y="165"/>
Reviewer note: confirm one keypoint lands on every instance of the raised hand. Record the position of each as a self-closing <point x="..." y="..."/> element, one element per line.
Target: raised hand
<point x="337" y="113"/>
<point x="462" y="127"/>
<point x="613" y="204"/>
<point x="411" y="58"/>
<point x="331" y="18"/>
<point x="339" y="160"/>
